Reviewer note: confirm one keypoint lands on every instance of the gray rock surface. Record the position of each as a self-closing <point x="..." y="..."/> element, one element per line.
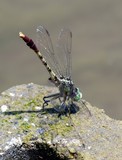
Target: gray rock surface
<point x="28" y="133"/>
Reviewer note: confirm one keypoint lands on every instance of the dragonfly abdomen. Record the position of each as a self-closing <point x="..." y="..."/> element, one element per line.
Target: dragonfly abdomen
<point x="32" y="45"/>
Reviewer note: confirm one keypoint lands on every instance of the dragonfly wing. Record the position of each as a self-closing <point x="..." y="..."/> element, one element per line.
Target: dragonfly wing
<point x="82" y="104"/>
<point x="45" y="46"/>
<point x="64" y="45"/>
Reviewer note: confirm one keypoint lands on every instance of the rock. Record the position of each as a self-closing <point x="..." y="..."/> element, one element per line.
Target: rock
<point x="28" y="133"/>
<point x="4" y="108"/>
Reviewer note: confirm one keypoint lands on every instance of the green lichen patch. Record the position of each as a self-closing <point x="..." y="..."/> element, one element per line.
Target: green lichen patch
<point x="78" y="136"/>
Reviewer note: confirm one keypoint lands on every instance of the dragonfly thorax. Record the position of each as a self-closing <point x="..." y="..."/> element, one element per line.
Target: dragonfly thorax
<point x="68" y="90"/>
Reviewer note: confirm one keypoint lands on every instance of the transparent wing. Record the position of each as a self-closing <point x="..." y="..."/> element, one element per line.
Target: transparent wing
<point x="84" y="108"/>
<point x="71" y="108"/>
<point x="64" y="45"/>
<point x="45" y="46"/>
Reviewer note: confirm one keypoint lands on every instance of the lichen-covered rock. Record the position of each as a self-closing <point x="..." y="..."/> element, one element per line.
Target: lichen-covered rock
<point x="28" y="133"/>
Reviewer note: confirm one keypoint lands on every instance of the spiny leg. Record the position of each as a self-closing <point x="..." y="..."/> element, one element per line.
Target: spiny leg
<point x="62" y="108"/>
<point x="49" y="98"/>
<point x="72" y="107"/>
<point x="86" y="108"/>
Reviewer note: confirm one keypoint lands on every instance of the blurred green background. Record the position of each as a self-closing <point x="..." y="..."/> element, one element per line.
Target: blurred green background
<point x="96" y="48"/>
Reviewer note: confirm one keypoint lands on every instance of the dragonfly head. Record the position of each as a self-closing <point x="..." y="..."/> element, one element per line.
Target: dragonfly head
<point x="77" y="95"/>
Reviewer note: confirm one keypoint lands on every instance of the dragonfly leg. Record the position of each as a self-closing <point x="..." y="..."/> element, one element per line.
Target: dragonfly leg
<point x="85" y="106"/>
<point x="71" y="108"/>
<point x="49" y="98"/>
<point x="62" y="109"/>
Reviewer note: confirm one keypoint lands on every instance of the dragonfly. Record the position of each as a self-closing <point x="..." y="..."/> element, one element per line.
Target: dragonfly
<point x="59" y="67"/>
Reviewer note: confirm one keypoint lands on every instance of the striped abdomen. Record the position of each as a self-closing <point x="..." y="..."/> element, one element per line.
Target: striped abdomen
<point x="32" y="45"/>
